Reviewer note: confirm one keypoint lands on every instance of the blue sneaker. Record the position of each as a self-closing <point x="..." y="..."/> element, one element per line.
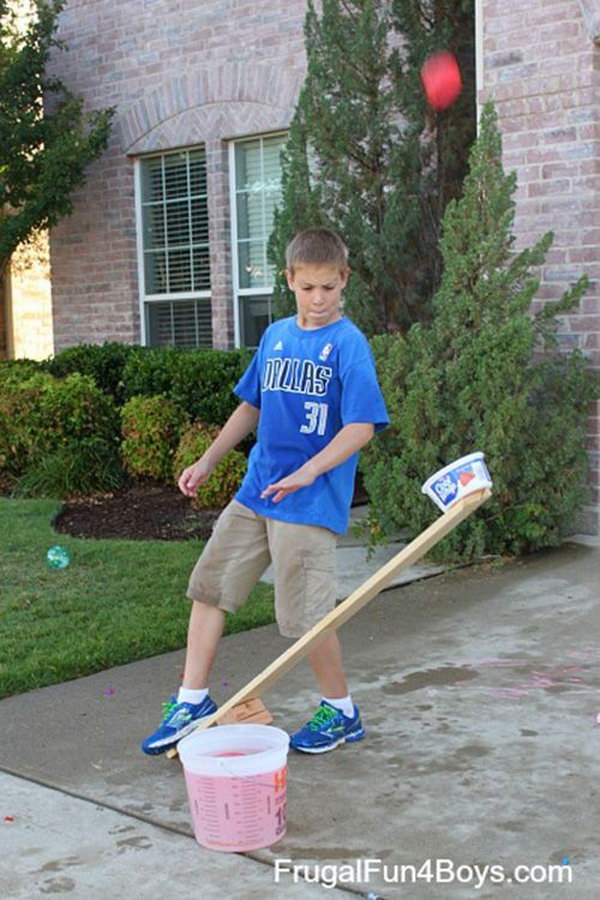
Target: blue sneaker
<point x="178" y="720"/>
<point x="328" y="728"/>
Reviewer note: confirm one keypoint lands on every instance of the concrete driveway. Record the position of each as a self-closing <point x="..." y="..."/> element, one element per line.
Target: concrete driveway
<point x="478" y="778"/>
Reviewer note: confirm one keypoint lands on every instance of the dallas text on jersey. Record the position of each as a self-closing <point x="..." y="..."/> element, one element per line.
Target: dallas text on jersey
<point x="297" y="376"/>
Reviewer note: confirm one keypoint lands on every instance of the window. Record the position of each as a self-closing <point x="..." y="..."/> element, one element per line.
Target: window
<point x="255" y="192"/>
<point x="173" y="249"/>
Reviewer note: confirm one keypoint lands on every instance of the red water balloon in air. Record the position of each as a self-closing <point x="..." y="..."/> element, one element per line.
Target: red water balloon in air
<point x="441" y="79"/>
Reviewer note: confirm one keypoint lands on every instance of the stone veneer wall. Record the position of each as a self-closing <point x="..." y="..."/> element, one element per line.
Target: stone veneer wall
<point x="180" y="74"/>
<point x="31" y="301"/>
<point x="540" y="64"/>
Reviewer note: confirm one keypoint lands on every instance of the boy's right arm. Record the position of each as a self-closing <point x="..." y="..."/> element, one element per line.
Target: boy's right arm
<point x="239" y="424"/>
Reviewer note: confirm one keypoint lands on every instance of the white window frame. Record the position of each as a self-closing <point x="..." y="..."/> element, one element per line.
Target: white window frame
<point x="144" y="299"/>
<point x="239" y="292"/>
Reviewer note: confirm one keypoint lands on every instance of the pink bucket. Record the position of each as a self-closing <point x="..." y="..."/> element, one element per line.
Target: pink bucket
<point x="236" y="778"/>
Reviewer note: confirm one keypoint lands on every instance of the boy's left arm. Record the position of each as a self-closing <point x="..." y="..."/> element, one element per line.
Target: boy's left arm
<point x="347" y="441"/>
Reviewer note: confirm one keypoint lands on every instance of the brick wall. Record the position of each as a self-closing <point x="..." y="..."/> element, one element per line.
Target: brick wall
<point x="542" y="68"/>
<point x="179" y="74"/>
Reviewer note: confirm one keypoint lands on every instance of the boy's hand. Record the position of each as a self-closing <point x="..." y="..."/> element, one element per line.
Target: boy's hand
<point x="195" y="476"/>
<point x="302" y="477"/>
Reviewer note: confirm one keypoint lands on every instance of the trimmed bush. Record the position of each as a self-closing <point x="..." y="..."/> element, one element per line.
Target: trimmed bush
<point x="50" y="426"/>
<point x="199" y="381"/>
<point x="17" y="370"/>
<point x="227" y="476"/>
<point x="487" y="375"/>
<point x="151" y="427"/>
<point x="18" y="396"/>
<point x="102" y="362"/>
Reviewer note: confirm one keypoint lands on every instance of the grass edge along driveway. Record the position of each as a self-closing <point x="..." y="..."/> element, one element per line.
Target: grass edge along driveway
<point x="116" y="602"/>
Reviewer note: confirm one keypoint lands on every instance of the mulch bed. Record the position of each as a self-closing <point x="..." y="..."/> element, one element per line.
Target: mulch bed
<point x="142" y="512"/>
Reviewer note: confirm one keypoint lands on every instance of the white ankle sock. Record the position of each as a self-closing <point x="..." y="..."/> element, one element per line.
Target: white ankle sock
<point x="344" y="704"/>
<point x="187" y="695"/>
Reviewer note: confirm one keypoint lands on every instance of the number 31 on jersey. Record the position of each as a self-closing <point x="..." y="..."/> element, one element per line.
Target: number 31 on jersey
<point x="316" y="415"/>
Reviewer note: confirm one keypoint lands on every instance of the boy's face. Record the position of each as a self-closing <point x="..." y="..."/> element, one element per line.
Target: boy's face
<point x="318" y="290"/>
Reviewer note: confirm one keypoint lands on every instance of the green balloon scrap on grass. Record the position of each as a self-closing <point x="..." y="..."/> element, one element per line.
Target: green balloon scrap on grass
<point x="58" y="557"/>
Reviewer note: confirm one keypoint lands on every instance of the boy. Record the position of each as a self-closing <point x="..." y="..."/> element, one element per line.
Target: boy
<point x="312" y="390"/>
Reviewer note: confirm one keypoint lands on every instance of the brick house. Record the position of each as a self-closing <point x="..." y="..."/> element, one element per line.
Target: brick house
<point x="167" y="241"/>
<point x="167" y="244"/>
<point x="540" y="62"/>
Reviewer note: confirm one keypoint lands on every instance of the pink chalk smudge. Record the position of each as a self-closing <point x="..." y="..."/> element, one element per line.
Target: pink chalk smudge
<point x="563" y="675"/>
<point x="505" y="693"/>
<point x="492" y="661"/>
<point x="587" y="654"/>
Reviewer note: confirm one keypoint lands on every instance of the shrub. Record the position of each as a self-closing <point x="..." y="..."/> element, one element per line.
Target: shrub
<point x="487" y="375"/>
<point x="199" y="381"/>
<point x="151" y="428"/>
<point x="77" y="469"/>
<point x="68" y="423"/>
<point x="17" y="370"/>
<point x="102" y="362"/>
<point x="227" y="476"/>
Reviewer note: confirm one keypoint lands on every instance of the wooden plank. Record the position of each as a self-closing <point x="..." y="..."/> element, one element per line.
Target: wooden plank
<point x="253" y="710"/>
<point x="351" y="605"/>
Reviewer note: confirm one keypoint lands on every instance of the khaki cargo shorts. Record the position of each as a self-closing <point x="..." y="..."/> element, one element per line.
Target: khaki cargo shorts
<point x="240" y="549"/>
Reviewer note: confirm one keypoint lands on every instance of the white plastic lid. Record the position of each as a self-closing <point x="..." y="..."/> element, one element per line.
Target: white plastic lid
<point x="264" y="749"/>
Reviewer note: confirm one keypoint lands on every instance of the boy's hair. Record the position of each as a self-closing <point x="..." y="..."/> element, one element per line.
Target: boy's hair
<point x="316" y="247"/>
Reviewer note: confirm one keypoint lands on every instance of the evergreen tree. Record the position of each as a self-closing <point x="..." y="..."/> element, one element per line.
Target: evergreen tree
<point x="429" y="26"/>
<point x="300" y="207"/>
<point x="486" y="375"/>
<point x="46" y="139"/>
<point x="365" y="156"/>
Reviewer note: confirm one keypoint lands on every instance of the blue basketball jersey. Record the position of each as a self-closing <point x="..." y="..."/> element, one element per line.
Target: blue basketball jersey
<point x="308" y="384"/>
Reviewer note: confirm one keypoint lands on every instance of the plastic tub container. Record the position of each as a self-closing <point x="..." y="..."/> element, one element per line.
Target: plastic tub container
<point x="464" y="476"/>
<point x="236" y="778"/>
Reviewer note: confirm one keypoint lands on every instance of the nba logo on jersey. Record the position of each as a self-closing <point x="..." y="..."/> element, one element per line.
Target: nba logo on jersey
<point x="325" y="352"/>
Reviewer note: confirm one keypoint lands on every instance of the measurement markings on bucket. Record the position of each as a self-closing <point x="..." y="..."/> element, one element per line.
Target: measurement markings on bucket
<point x="237" y="803"/>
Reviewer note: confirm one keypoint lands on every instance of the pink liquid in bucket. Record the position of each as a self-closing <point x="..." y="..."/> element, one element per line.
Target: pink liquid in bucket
<point x="236" y="785"/>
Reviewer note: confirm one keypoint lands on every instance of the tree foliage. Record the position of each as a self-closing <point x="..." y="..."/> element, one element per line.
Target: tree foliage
<point x="367" y="157"/>
<point x="486" y="375"/>
<point x="46" y="138"/>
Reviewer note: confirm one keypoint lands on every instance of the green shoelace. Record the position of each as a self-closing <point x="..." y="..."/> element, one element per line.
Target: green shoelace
<point x="323" y="715"/>
<point x="168" y="708"/>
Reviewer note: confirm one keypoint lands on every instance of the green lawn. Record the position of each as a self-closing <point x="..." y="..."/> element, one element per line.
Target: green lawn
<point x="116" y="602"/>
